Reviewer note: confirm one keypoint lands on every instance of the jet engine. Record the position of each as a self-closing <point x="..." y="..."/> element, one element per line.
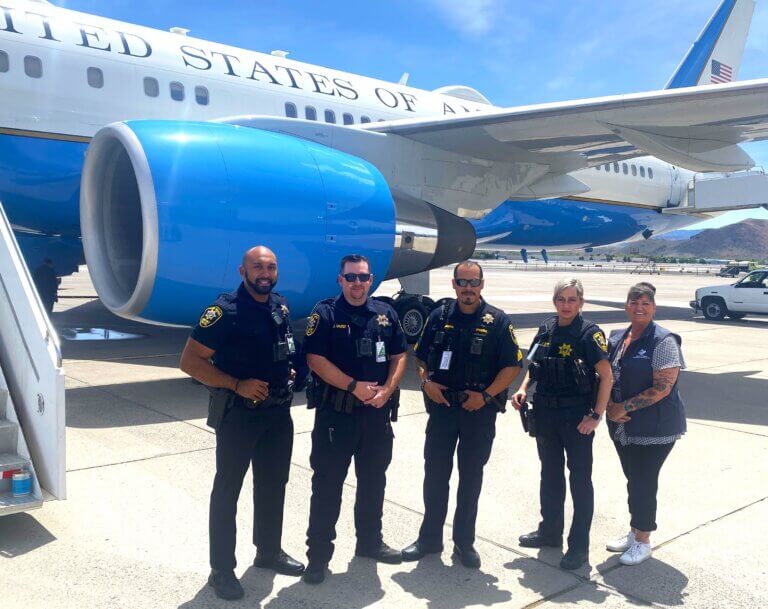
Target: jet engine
<point x="168" y="208"/>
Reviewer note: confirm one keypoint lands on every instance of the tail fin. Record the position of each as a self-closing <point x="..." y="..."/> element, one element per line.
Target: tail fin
<point x="715" y="57"/>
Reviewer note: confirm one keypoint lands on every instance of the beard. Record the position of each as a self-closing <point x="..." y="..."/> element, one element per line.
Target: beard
<point x="259" y="288"/>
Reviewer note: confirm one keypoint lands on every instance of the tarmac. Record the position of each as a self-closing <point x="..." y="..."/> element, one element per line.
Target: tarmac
<point x="140" y="460"/>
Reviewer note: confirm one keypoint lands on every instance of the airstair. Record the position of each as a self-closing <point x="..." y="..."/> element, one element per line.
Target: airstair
<point x="717" y="192"/>
<point x="32" y="426"/>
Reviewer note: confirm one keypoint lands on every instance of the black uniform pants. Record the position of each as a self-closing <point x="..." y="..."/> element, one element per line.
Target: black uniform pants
<point x="365" y="434"/>
<point x="558" y="440"/>
<point x="641" y="465"/>
<point x="473" y="432"/>
<point x="263" y="438"/>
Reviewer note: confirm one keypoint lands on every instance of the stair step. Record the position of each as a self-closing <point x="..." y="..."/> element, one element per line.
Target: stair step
<point x="12" y="461"/>
<point x="9" y="433"/>
<point x="10" y="504"/>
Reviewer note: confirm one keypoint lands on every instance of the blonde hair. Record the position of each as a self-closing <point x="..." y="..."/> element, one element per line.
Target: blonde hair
<point x="568" y="282"/>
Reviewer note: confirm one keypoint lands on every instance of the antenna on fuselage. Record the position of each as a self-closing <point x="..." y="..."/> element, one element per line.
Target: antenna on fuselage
<point x="281" y="54"/>
<point x="181" y="31"/>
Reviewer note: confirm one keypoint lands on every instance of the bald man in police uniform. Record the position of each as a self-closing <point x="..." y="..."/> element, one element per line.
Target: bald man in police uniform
<point x="241" y="349"/>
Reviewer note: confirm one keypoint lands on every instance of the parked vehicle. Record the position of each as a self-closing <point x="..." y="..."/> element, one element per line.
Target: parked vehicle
<point x="749" y="295"/>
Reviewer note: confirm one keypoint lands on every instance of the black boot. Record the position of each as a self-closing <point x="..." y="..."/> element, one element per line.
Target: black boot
<point x="467" y="555"/>
<point x="280" y="563"/>
<point x="538" y="540"/>
<point x="225" y="585"/>
<point x="382" y="553"/>
<point x="418" y="550"/>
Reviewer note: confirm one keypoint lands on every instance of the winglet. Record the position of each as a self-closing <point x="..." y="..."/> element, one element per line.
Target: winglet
<point x="715" y="57"/>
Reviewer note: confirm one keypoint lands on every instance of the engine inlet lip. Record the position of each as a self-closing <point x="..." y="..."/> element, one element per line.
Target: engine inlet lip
<point x="91" y="201"/>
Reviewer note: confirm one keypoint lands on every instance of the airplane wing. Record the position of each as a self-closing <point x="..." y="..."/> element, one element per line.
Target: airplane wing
<point x="698" y="128"/>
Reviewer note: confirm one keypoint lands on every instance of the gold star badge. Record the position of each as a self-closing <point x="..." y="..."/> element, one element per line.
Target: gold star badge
<point x="383" y="320"/>
<point x="488" y="318"/>
<point x="210" y="316"/>
<point x="284" y="309"/>
<point x="565" y="350"/>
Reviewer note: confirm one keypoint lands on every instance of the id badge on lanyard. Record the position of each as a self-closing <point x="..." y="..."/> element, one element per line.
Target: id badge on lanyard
<point x="445" y="360"/>
<point x="381" y="352"/>
<point x="291" y="344"/>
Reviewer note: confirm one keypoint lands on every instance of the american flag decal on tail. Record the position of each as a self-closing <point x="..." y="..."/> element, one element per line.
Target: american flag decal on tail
<point x="721" y="73"/>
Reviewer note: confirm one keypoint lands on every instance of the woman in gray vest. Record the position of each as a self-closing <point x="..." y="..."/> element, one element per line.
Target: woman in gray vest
<point x="646" y="415"/>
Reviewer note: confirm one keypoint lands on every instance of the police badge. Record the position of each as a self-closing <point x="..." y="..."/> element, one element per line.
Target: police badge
<point x="488" y="318"/>
<point x="210" y="316"/>
<point x="383" y="320"/>
<point x="312" y="323"/>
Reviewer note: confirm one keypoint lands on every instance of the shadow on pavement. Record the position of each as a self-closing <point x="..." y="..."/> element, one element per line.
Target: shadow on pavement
<point x="21" y="533"/>
<point x="653" y="581"/>
<point x="534" y="579"/>
<point x="451" y="586"/>
<point x="358" y="587"/>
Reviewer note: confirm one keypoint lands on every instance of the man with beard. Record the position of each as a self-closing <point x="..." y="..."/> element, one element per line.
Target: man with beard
<point x="356" y="350"/>
<point x="241" y="349"/>
<point x="467" y="357"/>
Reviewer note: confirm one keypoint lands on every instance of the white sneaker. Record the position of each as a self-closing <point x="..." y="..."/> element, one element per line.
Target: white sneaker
<point x="621" y="544"/>
<point x="638" y="552"/>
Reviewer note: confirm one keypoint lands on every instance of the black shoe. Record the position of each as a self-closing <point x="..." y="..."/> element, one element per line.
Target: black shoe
<point x="573" y="559"/>
<point x="281" y="563"/>
<point x="537" y="540"/>
<point x="225" y="585"/>
<point x="314" y="573"/>
<point x="382" y="554"/>
<point x="417" y="550"/>
<point x="467" y="555"/>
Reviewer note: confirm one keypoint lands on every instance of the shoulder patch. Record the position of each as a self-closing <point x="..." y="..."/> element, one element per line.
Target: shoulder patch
<point x="312" y="323"/>
<point x="512" y="333"/>
<point x="600" y="341"/>
<point x="210" y="316"/>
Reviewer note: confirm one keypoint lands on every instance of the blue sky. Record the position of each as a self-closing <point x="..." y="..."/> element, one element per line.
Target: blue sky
<point x="513" y="51"/>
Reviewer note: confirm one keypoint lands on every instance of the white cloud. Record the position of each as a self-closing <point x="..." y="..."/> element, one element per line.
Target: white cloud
<point x="473" y="17"/>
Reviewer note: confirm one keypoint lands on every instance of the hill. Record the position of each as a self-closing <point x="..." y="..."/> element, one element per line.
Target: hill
<point x="745" y="240"/>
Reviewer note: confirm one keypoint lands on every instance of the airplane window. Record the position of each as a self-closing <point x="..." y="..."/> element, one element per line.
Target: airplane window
<point x="642" y="171"/>
<point x="634" y="170"/>
<point x="33" y="66"/>
<point x="151" y="87"/>
<point x="4" y="63"/>
<point x="201" y="96"/>
<point x="650" y="173"/>
<point x="290" y="110"/>
<point x="177" y="91"/>
<point x="365" y="119"/>
<point x="624" y="168"/>
<point x="348" y="119"/>
<point x="95" y="78"/>
<point x="616" y="167"/>
<point x="330" y="116"/>
<point x="310" y="113"/>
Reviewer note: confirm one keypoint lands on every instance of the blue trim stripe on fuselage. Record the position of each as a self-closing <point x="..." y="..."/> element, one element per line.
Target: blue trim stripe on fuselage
<point x="689" y="72"/>
<point x="568" y="224"/>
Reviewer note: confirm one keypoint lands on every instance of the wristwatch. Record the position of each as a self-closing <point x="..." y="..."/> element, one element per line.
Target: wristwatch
<point x="424" y="382"/>
<point x="352" y="385"/>
<point x="487" y="397"/>
<point x="595" y="416"/>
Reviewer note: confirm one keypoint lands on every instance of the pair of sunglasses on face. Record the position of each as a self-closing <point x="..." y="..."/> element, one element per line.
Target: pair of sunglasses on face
<point x="361" y="277"/>
<point x="463" y="283"/>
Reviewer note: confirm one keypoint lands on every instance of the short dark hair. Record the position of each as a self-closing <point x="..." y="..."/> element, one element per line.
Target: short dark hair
<point x="644" y="288"/>
<point x="354" y="258"/>
<point x="469" y="264"/>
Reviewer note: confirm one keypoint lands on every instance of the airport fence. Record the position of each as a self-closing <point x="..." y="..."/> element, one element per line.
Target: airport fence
<point x="592" y="267"/>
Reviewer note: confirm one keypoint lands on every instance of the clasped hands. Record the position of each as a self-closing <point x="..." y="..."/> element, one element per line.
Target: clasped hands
<point x="434" y="391"/>
<point x="373" y="394"/>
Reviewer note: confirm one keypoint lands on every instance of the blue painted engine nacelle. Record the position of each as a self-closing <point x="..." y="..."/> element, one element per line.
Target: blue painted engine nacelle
<point x="168" y="208"/>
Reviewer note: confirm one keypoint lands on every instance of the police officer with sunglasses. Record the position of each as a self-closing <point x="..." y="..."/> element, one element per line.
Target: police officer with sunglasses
<point x="467" y="358"/>
<point x="355" y="348"/>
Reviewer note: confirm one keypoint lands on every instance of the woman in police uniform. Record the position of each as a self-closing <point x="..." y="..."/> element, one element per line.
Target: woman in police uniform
<point x="646" y="415"/>
<point x="569" y="364"/>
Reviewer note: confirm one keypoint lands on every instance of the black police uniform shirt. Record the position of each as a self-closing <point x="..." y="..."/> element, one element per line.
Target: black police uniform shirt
<point x="570" y="341"/>
<point x="243" y="333"/>
<point x="485" y="321"/>
<point x="337" y="330"/>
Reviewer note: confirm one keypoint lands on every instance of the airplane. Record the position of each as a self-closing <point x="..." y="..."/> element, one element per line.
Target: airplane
<point x="623" y="199"/>
<point x="182" y="153"/>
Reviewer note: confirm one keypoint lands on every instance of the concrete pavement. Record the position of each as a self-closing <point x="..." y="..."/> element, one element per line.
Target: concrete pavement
<point x="133" y="532"/>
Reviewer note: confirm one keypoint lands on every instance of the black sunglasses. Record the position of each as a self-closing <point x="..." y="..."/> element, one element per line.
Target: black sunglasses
<point x="463" y="283"/>
<point x="362" y="277"/>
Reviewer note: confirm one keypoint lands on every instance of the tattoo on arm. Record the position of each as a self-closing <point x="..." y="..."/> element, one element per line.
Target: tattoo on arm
<point x="663" y="381"/>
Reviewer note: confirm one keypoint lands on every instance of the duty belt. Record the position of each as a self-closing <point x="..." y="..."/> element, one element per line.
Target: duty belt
<point x="555" y="401"/>
<point x="275" y="398"/>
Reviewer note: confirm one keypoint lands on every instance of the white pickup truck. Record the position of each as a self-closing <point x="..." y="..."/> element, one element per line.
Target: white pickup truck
<point x="749" y="295"/>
